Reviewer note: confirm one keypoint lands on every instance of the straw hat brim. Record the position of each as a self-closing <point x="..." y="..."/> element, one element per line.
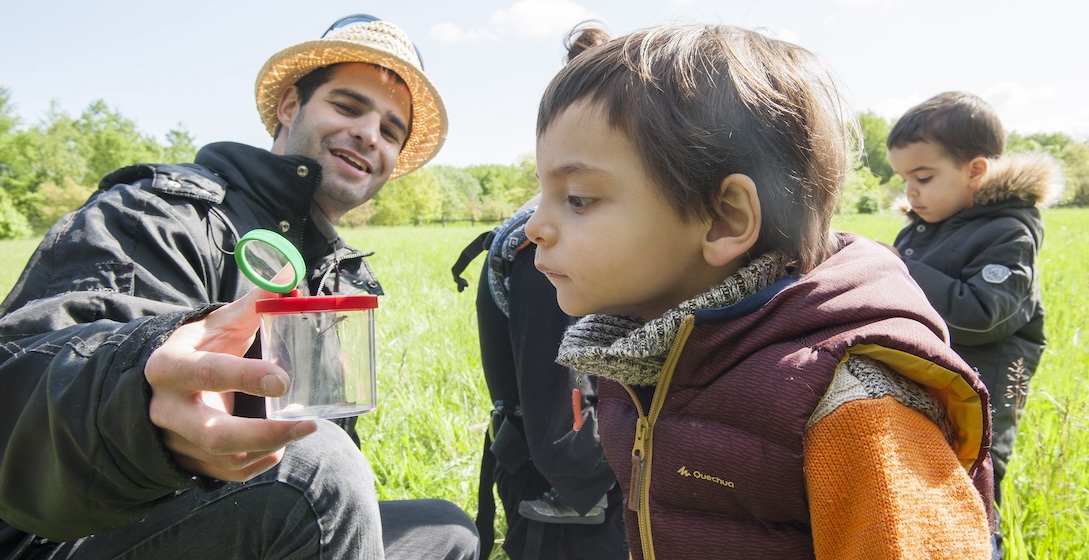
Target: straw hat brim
<point x="429" y="124"/>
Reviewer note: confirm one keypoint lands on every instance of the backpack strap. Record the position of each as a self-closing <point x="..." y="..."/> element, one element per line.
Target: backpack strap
<point x="474" y="248"/>
<point x="502" y="244"/>
<point x="485" y="516"/>
<point x="510" y="238"/>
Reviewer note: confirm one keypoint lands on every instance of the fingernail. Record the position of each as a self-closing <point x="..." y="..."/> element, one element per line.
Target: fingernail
<point x="303" y="429"/>
<point x="273" y="385"/>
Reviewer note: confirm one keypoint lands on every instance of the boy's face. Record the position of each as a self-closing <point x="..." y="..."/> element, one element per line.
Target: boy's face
<point x="354" y="125"/>
<point x="607" y="240"/>
<point x="936" y="185"/>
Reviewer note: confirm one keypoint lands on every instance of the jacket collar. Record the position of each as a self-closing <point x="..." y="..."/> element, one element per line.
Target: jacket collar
<point x="1035" y="178"/>
<point x="283" y="186"/>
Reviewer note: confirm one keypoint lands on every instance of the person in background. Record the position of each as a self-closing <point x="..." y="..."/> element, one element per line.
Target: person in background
<point x="767" y="387"/>
<point x="973" y="234"/>
<point x="131" y="409"/>
<point x="559" y="496"/>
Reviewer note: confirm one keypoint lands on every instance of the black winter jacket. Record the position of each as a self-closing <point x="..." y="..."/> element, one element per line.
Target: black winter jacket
<point x="149" y="251"/>
<point x="978" y="268"/>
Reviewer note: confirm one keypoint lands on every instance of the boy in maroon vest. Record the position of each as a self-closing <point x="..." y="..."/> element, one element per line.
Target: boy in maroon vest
<point x="768" y="388"/>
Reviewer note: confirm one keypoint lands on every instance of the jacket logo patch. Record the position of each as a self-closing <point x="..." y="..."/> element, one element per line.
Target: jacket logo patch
<point x="683" y="471"/>
<point x="996" y="273"/>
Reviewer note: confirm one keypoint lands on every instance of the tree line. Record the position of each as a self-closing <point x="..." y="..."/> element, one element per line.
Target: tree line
<point x="50" y="168"/>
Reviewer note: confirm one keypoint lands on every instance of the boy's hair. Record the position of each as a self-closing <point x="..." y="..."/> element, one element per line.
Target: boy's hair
<point x="700" y="103"/>
<point x="589" y="33"/>
<point x="961" y="123"/>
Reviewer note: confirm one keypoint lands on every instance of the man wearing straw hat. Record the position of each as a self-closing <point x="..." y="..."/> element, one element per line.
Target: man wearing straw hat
<point x="131" y="425"/>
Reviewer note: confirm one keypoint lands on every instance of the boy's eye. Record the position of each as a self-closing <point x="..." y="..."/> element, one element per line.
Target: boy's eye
<point x="579" y="202"/>
<point x="925" y="180"/>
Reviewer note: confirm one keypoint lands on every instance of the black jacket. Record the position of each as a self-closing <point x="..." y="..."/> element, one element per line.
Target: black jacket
<point x="149" y="251"/>
<point x="978" y="268"/>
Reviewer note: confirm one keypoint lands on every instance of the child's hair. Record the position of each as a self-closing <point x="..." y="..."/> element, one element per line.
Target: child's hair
<point x="962" y="124"/>
<point x="589" y="33"/>
<point x="700" y="103"/>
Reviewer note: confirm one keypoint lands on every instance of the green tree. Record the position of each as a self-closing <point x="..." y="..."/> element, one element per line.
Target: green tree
<point x="875" y="131"/>
<point x="460" y="193"/>
<point x="862" y="193"/>
<point x="63" y="198"/>
<point x="110" y="141"/>
<point x="180" y="146"/>
<point x="48" y="152"/>
<point x="415" y="198"/>
<point x="504" y="188"/>
<point x="1073" y="155"/>
<point x="13" y="224"/>
<point x="525" y="183"/>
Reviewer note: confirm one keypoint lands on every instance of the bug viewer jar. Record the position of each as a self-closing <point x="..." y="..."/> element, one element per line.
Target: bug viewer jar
<point x="326" y="346"/>
<point x="324" y="343"/>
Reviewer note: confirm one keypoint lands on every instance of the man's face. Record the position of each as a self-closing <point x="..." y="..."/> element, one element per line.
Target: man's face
<point x="354" y="126"/>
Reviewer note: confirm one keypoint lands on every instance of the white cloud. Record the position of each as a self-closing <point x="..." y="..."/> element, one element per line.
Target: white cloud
<point x="1029" y="109"/>
<point x="448" y="32"/>
<point x="540" y="18"/>
<point x="893" y="107"/>
<point x="789" y="35"/>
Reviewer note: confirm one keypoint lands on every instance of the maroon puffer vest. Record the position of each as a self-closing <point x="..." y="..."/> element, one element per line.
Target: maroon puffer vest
<point x="724" y="454"/>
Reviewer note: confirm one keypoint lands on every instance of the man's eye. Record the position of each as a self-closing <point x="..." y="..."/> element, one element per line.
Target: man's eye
<point x="346" y="109"/>
<point x="579" y="202"/>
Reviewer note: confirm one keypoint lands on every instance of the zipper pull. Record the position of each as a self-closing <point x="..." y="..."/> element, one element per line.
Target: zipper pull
<point x="576" y="403"/>
<point x="637" y="455"/>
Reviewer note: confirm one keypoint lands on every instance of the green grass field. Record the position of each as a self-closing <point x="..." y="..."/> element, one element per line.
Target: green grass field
<point x="425" y="438"/>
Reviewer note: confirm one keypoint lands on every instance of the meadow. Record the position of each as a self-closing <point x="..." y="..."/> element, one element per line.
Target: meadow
<point x="425" y="438"/>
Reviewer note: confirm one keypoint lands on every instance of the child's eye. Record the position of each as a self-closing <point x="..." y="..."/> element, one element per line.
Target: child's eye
<point x="924" y="180"/>
<point x="579" y="202"/>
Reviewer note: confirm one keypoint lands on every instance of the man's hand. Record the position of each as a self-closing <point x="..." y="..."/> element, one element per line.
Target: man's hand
<point x="193" y="376"/>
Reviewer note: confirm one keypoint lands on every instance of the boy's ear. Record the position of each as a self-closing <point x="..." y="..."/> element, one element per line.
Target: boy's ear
<point x="977" y="168"/>
<point x="736" y="227"/>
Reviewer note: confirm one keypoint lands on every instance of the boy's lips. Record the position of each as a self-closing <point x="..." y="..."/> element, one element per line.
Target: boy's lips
<point x="546" y="270"/>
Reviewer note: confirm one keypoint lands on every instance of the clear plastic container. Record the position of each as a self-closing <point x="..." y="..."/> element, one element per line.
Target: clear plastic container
<point x="326" y="345"/>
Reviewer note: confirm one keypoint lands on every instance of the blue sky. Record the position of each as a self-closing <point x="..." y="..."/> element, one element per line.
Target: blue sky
<point x="193" y="63"/>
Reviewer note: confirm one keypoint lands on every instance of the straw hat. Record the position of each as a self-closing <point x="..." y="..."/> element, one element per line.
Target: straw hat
<point x="375" y="42"/>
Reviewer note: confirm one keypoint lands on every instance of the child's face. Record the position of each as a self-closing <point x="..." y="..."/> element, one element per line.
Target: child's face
<point x="937" y="186"/>
<point x="607" y="239"/>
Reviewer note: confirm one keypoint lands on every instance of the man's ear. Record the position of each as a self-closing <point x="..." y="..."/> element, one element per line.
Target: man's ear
<point x="736" y="227"/>
<point x="288" y="107"/>
<point x="977" y="168"/>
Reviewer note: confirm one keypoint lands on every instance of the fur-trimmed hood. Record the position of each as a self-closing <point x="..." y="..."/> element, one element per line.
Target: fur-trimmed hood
<point x="1035" y="177"/>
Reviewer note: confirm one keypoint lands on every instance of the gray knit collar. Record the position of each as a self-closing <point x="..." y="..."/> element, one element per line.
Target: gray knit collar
<point x="629" y="350"/>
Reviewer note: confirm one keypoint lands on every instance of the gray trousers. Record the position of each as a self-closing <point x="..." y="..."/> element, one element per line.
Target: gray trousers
<point x="319" y="502"/>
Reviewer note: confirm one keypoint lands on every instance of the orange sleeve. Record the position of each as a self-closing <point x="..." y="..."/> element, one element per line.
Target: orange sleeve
<point x="883" y="483"/>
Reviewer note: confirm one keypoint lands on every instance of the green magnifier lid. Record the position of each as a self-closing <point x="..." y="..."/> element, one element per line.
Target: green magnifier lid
<point x="264" y="262"/>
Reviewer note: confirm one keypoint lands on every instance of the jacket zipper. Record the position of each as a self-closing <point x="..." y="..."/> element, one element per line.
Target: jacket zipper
<point x="642" y="450"/>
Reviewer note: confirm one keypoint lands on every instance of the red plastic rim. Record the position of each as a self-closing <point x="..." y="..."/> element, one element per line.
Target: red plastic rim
<point x="307" y="304"/>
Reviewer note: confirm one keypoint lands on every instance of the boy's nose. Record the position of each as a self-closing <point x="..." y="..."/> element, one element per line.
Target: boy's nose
<point x="536" y="229"/>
